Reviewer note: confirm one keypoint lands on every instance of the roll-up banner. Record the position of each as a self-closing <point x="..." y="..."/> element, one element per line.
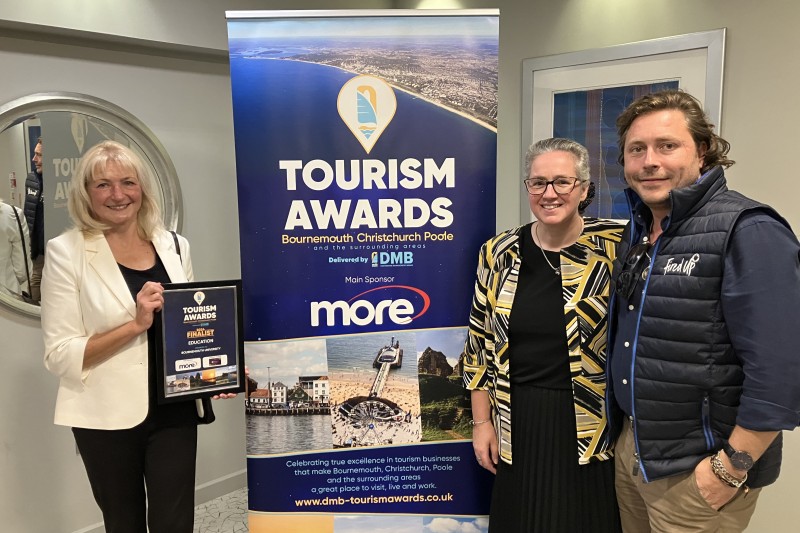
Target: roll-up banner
<point x="366" y="159"/>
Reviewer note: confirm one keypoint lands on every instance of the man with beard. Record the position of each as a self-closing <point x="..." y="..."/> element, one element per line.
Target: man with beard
<point x="702" y="372"/>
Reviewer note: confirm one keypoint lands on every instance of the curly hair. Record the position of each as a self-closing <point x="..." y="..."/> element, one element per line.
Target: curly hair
<point x="701" y="130"/>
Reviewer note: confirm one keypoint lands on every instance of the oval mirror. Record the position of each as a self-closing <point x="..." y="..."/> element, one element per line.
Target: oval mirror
<point x="60" y="127"/>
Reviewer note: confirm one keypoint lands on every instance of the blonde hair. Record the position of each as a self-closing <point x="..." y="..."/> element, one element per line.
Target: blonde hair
<point x="92" y="164"/>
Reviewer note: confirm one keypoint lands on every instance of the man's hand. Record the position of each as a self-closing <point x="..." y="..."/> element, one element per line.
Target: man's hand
<point x="713" y="490"/>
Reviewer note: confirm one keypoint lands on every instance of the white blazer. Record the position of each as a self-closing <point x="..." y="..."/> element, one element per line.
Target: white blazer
<point x="84" y="293"/>
<point x="13" y="271"/>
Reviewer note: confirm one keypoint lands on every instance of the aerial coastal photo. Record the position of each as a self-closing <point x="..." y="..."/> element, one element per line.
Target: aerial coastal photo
<point x="374" y="390"/>
<point x="459" y="79"/>
<point x="344" y="392"/>
<point x="453" y="71"/>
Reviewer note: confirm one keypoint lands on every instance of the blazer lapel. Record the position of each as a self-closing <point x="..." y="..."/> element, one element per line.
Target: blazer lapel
<point x="101" y="260"/>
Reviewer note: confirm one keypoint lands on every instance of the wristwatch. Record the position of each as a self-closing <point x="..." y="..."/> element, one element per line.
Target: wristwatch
<point x="739" y="459"/>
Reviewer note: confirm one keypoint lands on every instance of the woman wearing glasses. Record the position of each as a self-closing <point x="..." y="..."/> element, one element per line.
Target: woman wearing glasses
<point x="537" y="335"/>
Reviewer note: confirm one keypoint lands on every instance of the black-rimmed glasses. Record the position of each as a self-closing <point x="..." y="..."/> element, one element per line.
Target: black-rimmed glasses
<point x="634" y="268"/>
<point x="562" y="185"/>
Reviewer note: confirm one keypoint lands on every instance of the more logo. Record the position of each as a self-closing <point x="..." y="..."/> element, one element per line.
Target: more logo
<point x="363" y="310"/>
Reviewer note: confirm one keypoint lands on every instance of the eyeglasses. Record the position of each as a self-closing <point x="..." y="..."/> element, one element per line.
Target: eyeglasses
<point x="562" y="185"/>
<point x="635" y="267"/>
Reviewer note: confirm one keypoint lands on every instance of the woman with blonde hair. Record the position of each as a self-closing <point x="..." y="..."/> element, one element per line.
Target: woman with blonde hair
<point x="101" y="286"/>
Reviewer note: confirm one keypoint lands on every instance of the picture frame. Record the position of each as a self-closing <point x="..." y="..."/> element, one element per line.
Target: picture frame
<point x="579" y="95"/>
<point x="200" y="341"/>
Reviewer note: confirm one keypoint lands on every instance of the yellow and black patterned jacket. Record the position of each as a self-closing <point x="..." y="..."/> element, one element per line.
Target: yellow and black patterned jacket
<point x="585" y="275"/>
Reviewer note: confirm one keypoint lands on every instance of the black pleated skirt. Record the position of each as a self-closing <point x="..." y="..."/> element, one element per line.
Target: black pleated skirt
<point x="546" y="490"/>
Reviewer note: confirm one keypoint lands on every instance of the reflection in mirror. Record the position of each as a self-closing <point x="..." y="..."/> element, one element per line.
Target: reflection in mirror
<point x="42" y="138"/>
<point x="15" y="259"/>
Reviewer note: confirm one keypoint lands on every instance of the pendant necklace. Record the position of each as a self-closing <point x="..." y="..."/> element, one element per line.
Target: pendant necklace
<point x="556" y="271"/>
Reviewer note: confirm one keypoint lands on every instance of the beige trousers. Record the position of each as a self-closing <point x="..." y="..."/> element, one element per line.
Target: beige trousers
<point x="673" y="504"/>
<point x="36" y="278"/>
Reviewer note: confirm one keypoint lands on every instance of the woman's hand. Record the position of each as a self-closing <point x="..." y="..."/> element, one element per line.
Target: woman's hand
<point x="149" y="300"/>
<point x="224" y="396"/>
<point x="484" y="442"/>
<point x="228" y="396"/>
<point x="102" y="346"/>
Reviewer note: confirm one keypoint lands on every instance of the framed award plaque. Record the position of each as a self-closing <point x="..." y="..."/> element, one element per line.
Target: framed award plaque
<point x="200" y="343"/>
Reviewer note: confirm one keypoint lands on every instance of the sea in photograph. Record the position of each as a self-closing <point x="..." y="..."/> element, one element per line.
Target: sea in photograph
<point x="267" y="435"/>
<point x="349" y="352"/>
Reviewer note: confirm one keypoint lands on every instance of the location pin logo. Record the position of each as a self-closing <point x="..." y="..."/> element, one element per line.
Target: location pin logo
<point x="79" y="126"/>
<point x="367" y="105"/>
<point x="199" y="296"/>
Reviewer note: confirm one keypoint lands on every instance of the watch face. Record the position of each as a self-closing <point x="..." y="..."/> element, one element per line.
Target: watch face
<point x="742" y="461"/>
<point x="739" y="460"/>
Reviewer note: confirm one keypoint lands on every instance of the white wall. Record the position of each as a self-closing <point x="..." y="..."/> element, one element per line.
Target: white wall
<point x="186" y="102"/>
<point x="180" y="22"/>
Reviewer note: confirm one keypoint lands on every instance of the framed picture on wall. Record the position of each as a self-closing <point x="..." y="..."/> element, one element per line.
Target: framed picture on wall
<point x="579" y="95"/>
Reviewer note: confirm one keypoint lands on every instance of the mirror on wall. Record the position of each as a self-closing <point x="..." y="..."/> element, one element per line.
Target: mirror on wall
<point x="42" y="138"/>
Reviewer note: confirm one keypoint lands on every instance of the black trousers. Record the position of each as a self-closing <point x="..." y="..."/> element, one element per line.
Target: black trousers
<point x="143" y="476"/>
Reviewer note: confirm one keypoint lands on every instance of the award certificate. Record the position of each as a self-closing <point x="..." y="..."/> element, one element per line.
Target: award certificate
<point x="200" y="344"/>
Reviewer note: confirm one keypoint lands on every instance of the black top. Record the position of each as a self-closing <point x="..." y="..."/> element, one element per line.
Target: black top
<point x="34" y="212"/>
<point x="537" y="327"/>
<point x="172" y="414"/>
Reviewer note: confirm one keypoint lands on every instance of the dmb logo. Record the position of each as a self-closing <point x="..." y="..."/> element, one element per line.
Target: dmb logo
<point x="392" y="259"/>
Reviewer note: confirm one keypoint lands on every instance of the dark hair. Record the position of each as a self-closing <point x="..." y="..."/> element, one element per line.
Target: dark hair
<point x="588" y="200"/>
<point x="701" y="130"/>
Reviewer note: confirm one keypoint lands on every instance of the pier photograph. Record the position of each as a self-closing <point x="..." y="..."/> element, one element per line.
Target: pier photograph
<point x="374" y="392"/>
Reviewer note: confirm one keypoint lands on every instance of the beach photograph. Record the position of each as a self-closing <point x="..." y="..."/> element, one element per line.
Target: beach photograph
<point x="374" y="391"/>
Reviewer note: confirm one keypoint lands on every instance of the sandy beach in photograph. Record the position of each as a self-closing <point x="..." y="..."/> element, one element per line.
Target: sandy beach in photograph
<point x="363" y="429"/>
<point x="402" y="391"/>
